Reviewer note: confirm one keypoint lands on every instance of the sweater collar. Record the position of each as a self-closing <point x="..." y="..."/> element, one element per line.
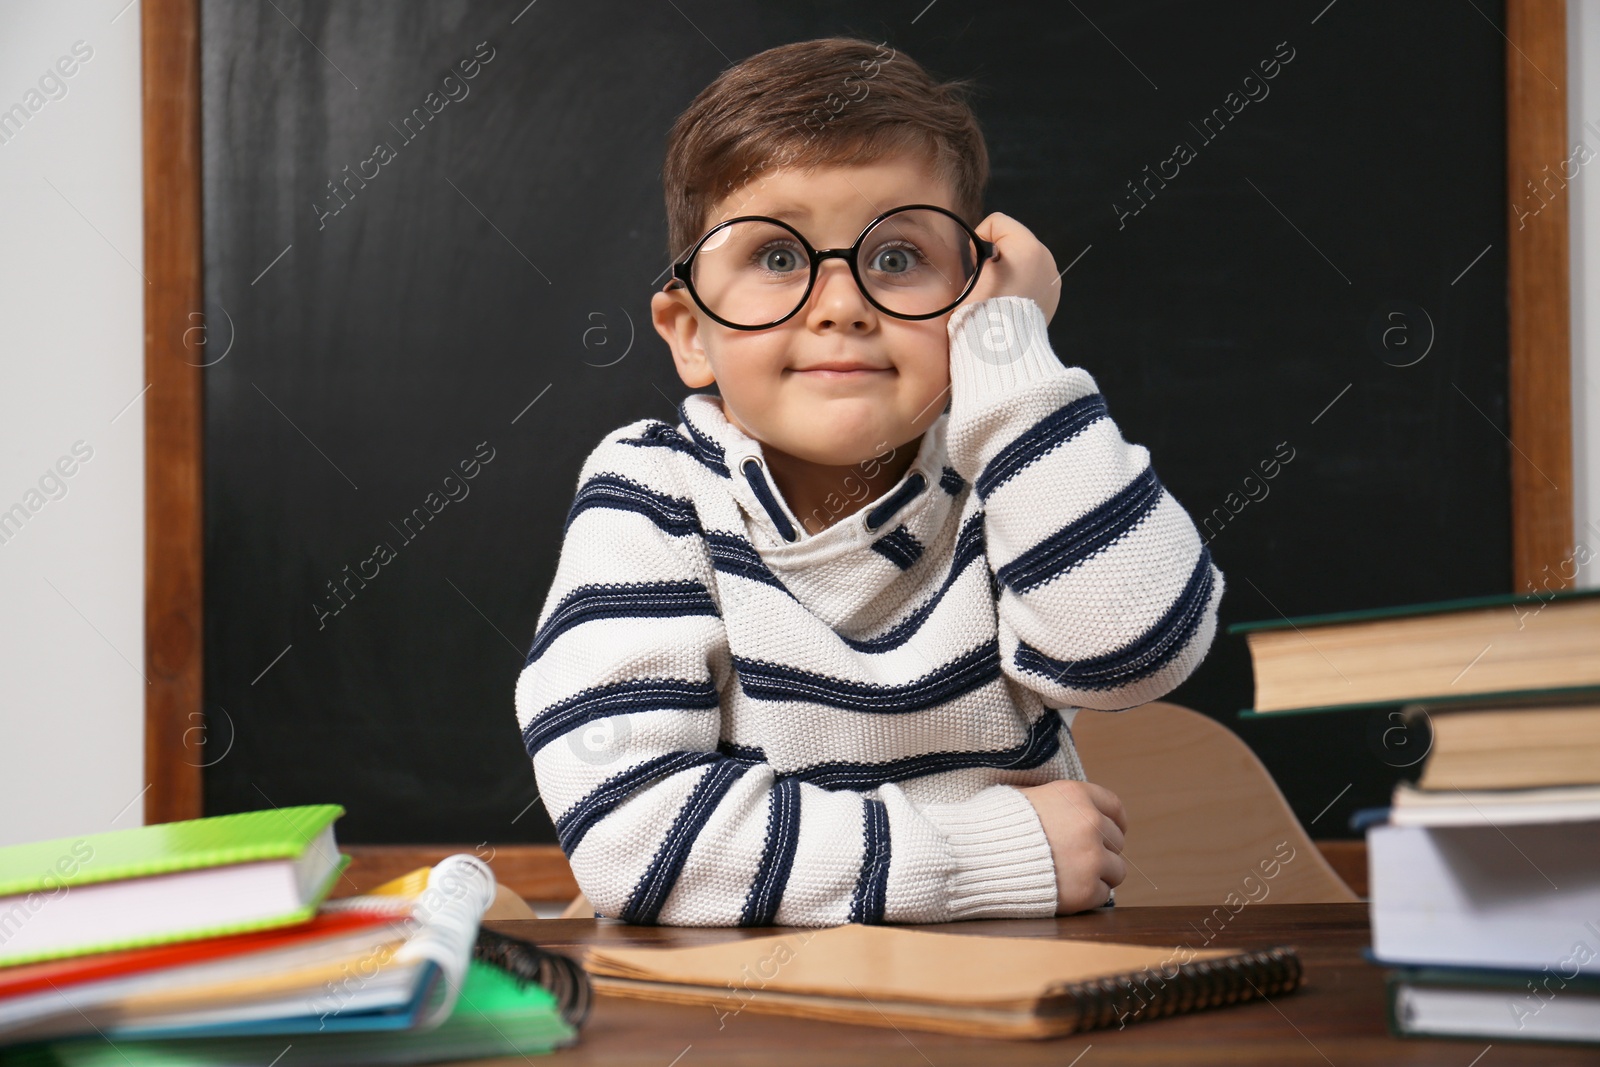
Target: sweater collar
<point x="728" y="450"/>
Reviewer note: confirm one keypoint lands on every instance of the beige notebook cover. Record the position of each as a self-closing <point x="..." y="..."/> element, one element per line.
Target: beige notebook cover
<point x="953" y="983"/>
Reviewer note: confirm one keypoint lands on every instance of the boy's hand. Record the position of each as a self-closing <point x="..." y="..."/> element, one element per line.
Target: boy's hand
<point x="1085" y="825"/>
<point x="1024" y="266"/>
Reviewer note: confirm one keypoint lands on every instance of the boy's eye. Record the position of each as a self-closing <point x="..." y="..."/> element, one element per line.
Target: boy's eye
<point x="779" y="258"/>
<point x="894" y="259"/>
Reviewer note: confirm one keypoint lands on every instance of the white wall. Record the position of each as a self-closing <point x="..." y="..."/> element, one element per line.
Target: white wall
<point x="71" y="360"/>
<point x="1583" y="127"/>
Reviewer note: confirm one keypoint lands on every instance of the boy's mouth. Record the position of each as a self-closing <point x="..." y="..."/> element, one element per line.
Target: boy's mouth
<point x="841" y="369"/>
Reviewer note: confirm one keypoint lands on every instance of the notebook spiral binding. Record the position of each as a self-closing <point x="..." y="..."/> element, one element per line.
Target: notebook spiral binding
<point x="561" y="975"/>
<point x="1197" y="984"/>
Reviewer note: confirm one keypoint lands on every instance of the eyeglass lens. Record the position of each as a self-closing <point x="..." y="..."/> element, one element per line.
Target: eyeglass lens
<point x="913" y="262"/>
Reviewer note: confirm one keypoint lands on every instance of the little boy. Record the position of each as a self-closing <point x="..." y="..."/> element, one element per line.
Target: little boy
<point x="812" y="652"/>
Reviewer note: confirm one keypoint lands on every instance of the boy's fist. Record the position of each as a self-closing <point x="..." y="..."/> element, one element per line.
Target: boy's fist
<point x="1085" y="825"/>
<point x="1024" y="266"/>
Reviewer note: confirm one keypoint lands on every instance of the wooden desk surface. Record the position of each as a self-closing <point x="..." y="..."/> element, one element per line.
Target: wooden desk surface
<point x="1336" y="1017"/>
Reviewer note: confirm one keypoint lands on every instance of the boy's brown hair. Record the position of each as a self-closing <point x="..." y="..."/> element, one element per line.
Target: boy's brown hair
<point x="829" y="101"/>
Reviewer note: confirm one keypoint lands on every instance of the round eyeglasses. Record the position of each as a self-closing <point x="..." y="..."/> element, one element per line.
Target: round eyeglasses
<point x="755" y="272"/>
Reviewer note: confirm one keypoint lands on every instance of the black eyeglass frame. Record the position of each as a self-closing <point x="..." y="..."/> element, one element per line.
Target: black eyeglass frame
<point x="681" y="269"/>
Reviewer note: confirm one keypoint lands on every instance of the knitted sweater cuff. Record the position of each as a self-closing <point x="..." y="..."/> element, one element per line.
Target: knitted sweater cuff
<point x="1002" y="863"/>
<point x="999" y="345"/>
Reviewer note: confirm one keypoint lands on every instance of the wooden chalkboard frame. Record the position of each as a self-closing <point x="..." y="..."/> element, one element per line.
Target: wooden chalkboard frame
<point x="1539" y="391"/>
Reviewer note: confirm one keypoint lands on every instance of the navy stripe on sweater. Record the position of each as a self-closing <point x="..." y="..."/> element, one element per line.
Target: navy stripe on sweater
<point x="733" y="554"/>
<point x="712" y="454"/>
<point x="644" y="906"/>
<point x="951" y="482"/>
<point x="660" y="435"/>
<point x="749" y="753"/>
<point x="1052" y="431"/>
<point x="674" y="515"/>
<point x="899" y="547"/>
<point x="622" y="601"/>
<point x="867" y="903"/>
<point x="619" y="698"/>
<point x="765" y="680"/>
<point x="1142" y="657"/>
<point x="1078" y="540"/>
<point x="969" y="547"/>
<point x="777" y="858"/>
<point x="579" y="819"/>
<point x="1041" y="744"/>
<point x="891" y="504"/>
<point x="763" y="492"/>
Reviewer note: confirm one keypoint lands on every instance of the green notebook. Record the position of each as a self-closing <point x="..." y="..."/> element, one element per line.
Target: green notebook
<point x="165" y="882"/>
<point x="495" y="1015"/>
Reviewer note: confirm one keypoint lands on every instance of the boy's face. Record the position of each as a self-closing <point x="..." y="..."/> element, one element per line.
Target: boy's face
<point x="767" y="390"/>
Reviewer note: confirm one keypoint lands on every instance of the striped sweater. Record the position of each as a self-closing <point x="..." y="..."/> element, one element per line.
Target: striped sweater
<point x="734" y="722"/>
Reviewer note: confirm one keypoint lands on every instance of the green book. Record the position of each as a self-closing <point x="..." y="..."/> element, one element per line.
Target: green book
<point x="1434" y="607"/>
<point x="166" y="882"/>
<point x="495" y="1015"/>
<point x="1511" y="649"/>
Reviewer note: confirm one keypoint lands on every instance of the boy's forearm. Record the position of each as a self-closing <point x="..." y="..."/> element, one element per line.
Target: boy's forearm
<point x="1107" y="596"/>
<point x="990" y="852"/>
<point x="700" y="839"/>
<point x="668" y="829"/>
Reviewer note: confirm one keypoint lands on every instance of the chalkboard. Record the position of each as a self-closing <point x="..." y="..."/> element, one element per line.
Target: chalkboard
<point x="431" y="233"/>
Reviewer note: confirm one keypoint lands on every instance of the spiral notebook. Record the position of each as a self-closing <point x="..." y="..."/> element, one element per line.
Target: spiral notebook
<point x="1019" y="987"/>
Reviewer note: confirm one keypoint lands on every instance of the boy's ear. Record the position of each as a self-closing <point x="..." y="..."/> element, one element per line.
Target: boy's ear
<point x="679" y="326"/>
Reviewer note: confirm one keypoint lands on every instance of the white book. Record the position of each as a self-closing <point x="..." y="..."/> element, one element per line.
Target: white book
<point x="1486" y="896"/>
<point x="1460" y="1011"/>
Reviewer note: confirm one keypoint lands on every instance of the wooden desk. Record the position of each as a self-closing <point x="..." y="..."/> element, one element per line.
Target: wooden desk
<point x="1336" y="1017"/>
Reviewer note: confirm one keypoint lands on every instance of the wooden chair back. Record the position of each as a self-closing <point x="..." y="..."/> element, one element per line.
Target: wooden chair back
<point x="1204" y="814"/>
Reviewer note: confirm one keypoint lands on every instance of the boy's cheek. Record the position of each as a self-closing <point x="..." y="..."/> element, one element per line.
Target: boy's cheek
<point x="988" y="285"/>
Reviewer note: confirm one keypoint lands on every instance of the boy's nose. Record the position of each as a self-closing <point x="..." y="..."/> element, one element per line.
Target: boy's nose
<point x="838" y="295"/>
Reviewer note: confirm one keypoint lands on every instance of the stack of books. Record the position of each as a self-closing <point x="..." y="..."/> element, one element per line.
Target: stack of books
<point x="214" y="941"/>
<point x="1484" y="875"/>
